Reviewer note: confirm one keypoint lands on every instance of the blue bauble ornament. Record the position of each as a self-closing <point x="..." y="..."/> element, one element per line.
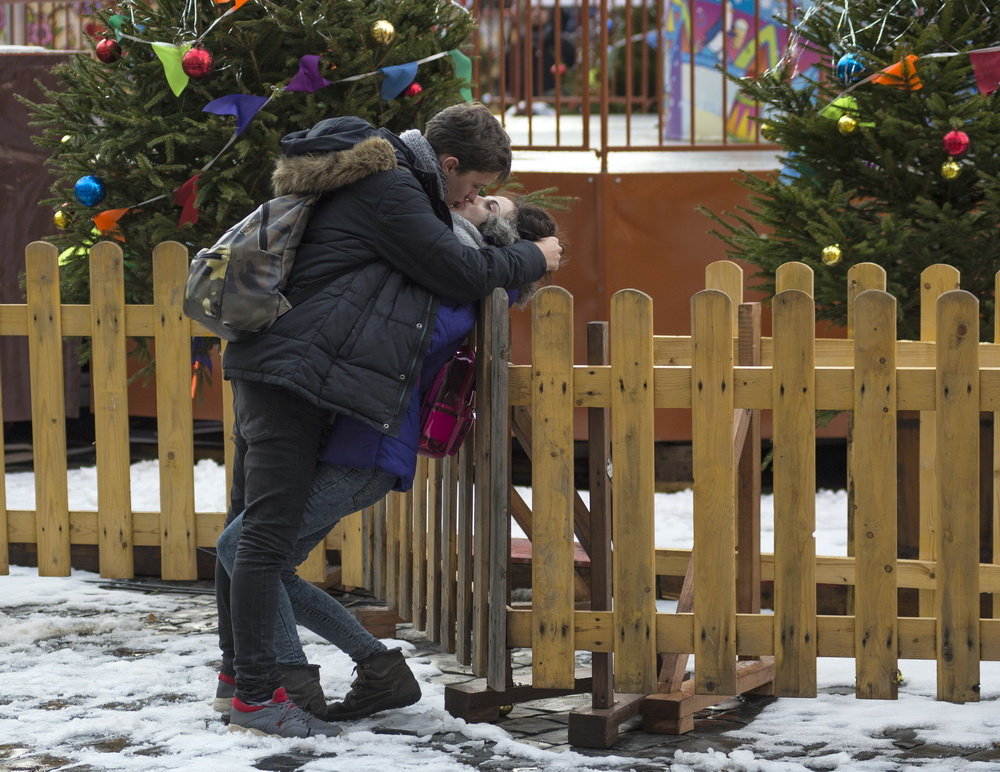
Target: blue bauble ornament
<point x="849" y="68"/>
<point x="89" y="190"/>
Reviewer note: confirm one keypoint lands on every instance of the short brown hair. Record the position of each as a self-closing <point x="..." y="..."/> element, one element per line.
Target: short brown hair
<point x="472" y="134"/>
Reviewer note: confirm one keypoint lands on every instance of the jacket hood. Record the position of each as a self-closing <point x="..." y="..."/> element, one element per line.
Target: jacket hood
<point x="333" y="153"/>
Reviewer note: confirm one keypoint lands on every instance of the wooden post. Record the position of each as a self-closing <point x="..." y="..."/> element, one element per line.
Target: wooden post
<point x="178" y="550"/>
<point x="748" y="476"/>
<point x="48" y="409"/>
<point x="714" y="493"/>
<point x="876" y="638"/>
<point x="109" y="384"/>
<point x="957" y="402"/>
<point x="996" y="461"/>
<point x="935" y="280"/>
<point x="553" y="662"/>
<point x="464" y="571"/>
<point x="633" y="491"/>
<point x="794" y="437"/>
<point x="419" y="542"/>
<point x="449" y="552"/>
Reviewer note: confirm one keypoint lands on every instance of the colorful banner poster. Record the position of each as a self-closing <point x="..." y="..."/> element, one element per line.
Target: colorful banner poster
<point x="695" y="50"/>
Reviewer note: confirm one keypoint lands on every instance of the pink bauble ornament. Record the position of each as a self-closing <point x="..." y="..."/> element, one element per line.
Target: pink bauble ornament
<point x="197" y="63"/>
<point x="108" y="51"/>
<point x="955" y="143"/>
<point x="413" y="89"/>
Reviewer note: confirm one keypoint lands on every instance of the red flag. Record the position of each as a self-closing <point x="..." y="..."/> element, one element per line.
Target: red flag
<point x="107" y="222"/>
<point x="185" y="196"/>
<point x="986" y="66"/>
<point x="902" y="74"/>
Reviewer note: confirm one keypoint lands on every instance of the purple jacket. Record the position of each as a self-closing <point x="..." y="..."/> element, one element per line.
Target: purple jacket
<point x="353" y="443"/>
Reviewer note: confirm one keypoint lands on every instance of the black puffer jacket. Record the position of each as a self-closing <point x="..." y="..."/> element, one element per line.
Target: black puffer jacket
<point x="357" y="345"/>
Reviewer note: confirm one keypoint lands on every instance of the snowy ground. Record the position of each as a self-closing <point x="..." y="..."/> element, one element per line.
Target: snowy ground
<point x="100" y="679"/>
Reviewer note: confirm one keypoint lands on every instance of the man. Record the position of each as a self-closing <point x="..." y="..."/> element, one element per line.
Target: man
<point x="380" y="244"/>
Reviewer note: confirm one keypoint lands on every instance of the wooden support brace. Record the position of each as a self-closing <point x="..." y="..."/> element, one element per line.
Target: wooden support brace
<point x="674" y="713"/>
<point x="592" y="727"/>
<point x="475" y="702"/>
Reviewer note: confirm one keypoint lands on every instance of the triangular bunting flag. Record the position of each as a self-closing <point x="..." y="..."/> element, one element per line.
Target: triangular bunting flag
<point x="243" y="106"/>
<point x="115" y="22"/>
<point x="170" y="57"/>
<point x="184" y="196"/>
<point x="308" y="77"/>
<point x="463" y="71"/>
<point x="107" y="222"/>
<point x="986" y="66"/>
<point x="397" y="78"/>
<point x="902" y="74"/>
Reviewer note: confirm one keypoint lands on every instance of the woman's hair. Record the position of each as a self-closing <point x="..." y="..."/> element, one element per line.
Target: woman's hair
<point x="533" y="222"/>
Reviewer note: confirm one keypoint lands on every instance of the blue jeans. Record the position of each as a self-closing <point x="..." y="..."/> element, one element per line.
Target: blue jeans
<point x="334" y="493"/>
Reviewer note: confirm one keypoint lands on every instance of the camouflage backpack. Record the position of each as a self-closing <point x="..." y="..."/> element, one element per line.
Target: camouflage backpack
<point x="235" y="288"/>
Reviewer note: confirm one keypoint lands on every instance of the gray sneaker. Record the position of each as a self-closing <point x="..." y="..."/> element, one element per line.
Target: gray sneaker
<point x="279" y="717"/>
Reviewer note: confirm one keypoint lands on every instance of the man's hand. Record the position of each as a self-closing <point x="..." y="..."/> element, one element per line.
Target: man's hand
<point x="553" y="252"/>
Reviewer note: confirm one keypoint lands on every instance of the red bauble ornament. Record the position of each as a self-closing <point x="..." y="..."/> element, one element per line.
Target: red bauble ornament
<point x="109" y="51"/>
<point x="197" y="63"/>
<point x="955" y="143"/>
<point x="413" y="89"/>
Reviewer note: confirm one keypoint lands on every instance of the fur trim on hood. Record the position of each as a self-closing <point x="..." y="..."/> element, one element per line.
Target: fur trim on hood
<point x="320" y="172"/>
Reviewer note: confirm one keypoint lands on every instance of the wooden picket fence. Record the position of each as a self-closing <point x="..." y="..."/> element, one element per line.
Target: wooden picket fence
<point x="440" y="555"/>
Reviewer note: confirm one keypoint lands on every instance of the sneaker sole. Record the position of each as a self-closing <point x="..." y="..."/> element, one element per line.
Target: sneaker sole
<point x="260" y="733"/>
<point x="402" y="702"/>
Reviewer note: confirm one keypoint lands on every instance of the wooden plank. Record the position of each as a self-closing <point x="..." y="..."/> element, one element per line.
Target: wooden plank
<point x="391" y="551"/>
<point x="313" y="568"/>
<point x="996" y="458"/>
<point x="48" y="410"/>
<point x="175" y="441"/>
<point x="352" y="574"/>
<point x="497" y="456"/>
<point x="378" y="547"/>
<point x="449" y="552"/>
<point x="4" y="519"/>
<point x="464" y="570"/>
<point x="404" y="516"/>
<point x="109" y="386"/>
<point x="419" y="542"/>
<point x="487" y="407"/>
<point x="553" y="664"/>
<point x="794" y="276"/>
<point x="633" y="491"/>
<point x="874" y="470"/>
<point x="435" y="499"/>
<point x="935" y="280"/>
<point x="748" y="476"/>
<point x="958" y="496"/>
<point x="727" y="277"/>
<point x="598" y="461"/>
<point x="714" y="493"/>
<point x="794" y="439"/>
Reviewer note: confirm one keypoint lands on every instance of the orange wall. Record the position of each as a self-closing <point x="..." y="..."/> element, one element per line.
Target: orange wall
<point x="640" y="231"/>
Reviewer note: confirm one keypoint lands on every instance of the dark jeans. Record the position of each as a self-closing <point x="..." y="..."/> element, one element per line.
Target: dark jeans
<point x="277" y="436"/>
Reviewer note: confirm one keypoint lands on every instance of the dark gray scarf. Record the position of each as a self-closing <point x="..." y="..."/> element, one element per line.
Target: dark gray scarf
<point x="427" y="160"/>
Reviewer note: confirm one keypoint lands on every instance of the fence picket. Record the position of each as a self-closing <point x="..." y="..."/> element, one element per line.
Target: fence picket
<point x="419" y="542"/>
<point x="464" y="569"/>
<point x="714" y="493"/>
<point x="794" y="443"/>
<point x="935" y="280"/>
<point x="174" y="415"/>
<point x="404" y="593"/>
<point x="874" y="473"/>
<point x="996" y="459"/>
<point x="958" y="496"/>
<point x="449" y="552"/>
<point x="48" y="409"/>
<point x="633" y="491"/>
<point x="351" y="570"/>
<point x="109" y="386"/>
<point x="4" y="522"/>
<point x="794" y="276"/>
<point x="553" y="664"/>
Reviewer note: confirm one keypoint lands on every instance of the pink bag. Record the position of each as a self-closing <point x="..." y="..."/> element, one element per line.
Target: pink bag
<point x="448" y="410"/>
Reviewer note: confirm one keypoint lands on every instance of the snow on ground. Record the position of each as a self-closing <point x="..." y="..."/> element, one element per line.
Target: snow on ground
<point x="96" y="676"/>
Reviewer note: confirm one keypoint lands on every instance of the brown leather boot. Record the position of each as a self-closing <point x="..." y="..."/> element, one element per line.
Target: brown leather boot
<point x="302" y="685"/>
<point x="384" y="681"/>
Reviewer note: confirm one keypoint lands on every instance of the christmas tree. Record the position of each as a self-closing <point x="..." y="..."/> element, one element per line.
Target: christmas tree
<point x="170" y="131"/>
<point x="888" y="116"/>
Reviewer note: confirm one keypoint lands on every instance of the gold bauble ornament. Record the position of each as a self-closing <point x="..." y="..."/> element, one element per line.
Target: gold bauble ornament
<point x="383" y="32"/>
<point x="767" y="131"/>
<point x="832" y="254"/>
<point x="847" y="124"/>
<point x="61" y="219"/>
<point x="950" y="170"/>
